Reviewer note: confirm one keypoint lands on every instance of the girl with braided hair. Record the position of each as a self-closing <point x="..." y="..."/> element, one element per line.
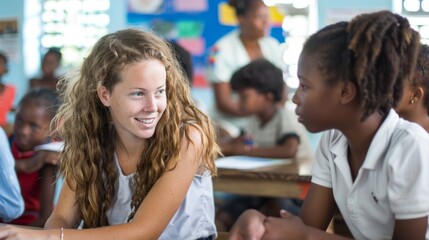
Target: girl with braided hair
<point x="138" y="154"/>
<point x="414" y="105"/>
<point x="370" y="163"/>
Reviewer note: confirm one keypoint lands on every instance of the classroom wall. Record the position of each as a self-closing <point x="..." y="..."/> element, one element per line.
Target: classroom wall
<point x="15" y="10"/>
<point x="20" y="72"/>
<point x="343" y="10"/>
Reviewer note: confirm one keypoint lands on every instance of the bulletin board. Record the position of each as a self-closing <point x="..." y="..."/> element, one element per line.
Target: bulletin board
<point x="195" y="24"/>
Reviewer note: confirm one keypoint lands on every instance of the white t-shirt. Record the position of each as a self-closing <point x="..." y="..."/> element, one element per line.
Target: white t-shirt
<point x="391" y="184"/>
<point x="227" y="56"/>
<point x="283" y="122"/>
<point x="194" y="219"/>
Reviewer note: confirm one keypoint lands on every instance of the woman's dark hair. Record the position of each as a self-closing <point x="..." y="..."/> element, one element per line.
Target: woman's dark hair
<point x="260" y="75"/>
<point x="242" y="6"/>
<point x="375" y="51"/>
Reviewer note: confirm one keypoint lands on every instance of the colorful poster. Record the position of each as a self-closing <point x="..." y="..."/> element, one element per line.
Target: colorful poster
<point x="194" y="24"/>
<point x="9" y="39"/>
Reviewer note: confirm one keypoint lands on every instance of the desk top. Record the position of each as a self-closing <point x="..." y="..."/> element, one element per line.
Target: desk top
<point x="284" y="172"/>
<point x="284" y="180"/>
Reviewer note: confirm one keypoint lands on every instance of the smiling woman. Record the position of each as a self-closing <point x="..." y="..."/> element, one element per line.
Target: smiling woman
<point x="138" y="154"/>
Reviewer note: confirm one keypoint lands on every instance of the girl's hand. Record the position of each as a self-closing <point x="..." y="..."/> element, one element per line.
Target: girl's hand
<point x="286" y="227"/>
<point x="9" y="232"/>
<point x="249" y="226"/>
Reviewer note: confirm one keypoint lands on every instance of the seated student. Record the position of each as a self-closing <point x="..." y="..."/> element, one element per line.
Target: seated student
<point x="138" y="154"/>
<point x="11" y="203"/>
<point x="414" y="105"/>
<point x="272" y="131"/>
<point x="370" y="163"/>
<point x="31" y="129"/>
<point x="50" y="63"/>
<point x="7" y="92"/>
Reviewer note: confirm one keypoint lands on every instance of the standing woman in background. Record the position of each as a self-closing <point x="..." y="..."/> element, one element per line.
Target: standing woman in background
<point x="50" y="64"/>
<point x="236" y="49"/>
<point x="138" y="154"/>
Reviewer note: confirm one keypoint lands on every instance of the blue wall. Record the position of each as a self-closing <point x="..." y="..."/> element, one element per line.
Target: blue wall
<point x="16" y="76"/>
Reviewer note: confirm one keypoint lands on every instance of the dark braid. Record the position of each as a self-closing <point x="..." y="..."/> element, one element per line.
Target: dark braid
<point x="375" y="51"/>
<point x="421" y="76"/>
<point x="242" y="7"/>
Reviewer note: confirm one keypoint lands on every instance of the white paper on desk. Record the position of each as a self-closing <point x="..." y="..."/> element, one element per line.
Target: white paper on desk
<point x="53" y="146"/>
<point x="247" y="162"/>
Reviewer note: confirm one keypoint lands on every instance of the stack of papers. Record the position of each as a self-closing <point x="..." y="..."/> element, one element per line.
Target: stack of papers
<point x="53" y="146"/>
<point x="247" y="162"/>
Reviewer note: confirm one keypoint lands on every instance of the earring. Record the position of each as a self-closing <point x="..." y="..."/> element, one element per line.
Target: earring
<point x="412" y="101"/>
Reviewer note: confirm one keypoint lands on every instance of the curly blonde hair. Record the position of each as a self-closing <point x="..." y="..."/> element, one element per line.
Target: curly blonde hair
<point x="87" y="162"/>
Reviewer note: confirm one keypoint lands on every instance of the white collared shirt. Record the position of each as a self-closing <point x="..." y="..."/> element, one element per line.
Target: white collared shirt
<point x="393" y="182"/>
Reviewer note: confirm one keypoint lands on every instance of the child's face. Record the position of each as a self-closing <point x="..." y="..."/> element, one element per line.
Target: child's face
<point x="405" y="108"/>
<point x="138" y="100"/>
<point x="316" y="102"/>
<point x="31" y="127"/>
<point x="50" y="63"/>
<point x="254" y="102"/>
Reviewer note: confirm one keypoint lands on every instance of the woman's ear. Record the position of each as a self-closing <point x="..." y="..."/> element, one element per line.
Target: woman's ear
<point x="348" y="93"/>
<point x="104" y="95"/>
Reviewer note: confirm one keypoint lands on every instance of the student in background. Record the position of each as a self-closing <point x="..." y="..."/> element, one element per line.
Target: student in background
<point x="271" y="132"/>
<point x="50" y="63"/>
<point x="185" y="60"/>
<point x="414" y="105"/>
<point x="7" y="92"/>
<point x="138" y="161"/>
<point x="370" y="163"/>
<point x="31" y="129"/>
<point x="11" y="203"/>
<point x="234" y="50"/>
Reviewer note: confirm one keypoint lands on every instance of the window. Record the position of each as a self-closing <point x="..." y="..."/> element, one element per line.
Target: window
<point x="73" y="26"/>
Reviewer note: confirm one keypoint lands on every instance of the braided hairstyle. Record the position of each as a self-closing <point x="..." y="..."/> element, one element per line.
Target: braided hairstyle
<point x="375" y="51"/>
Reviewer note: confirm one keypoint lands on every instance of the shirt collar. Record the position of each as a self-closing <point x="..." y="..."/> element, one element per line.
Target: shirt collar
<point x="378" y="146"/>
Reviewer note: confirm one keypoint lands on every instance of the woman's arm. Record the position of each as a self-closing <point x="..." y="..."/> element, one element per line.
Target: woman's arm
<point x="65" y="213"/>
<point x="47" y="192"/>
<point x="224" y="101"/>
<point x="153" y="215"/>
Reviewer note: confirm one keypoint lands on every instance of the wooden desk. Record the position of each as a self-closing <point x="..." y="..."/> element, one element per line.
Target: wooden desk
<point x="288" y="180"/>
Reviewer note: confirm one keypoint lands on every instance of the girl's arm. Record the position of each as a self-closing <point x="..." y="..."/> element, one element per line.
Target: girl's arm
<point x="318" y="207"/>
<point x="153" y="215"/>
<point x="37" y="161"/>
<point x="315" y="215"/>
<point x="410" y="228"/>
<point x="47" y="192"/>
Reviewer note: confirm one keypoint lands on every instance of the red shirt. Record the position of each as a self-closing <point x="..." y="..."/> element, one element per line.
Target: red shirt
<point x="7" y="96"/>
<point x="30" y="188"/>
